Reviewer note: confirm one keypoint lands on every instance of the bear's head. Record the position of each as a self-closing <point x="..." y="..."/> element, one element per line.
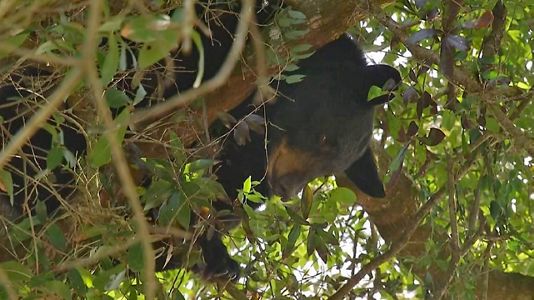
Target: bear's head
<point x="323" y="125"/>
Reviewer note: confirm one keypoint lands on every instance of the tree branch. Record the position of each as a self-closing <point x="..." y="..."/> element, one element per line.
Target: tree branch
<point x="120" y="162"/>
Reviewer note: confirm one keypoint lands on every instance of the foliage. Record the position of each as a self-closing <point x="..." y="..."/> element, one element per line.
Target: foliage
<point x="444" y="135"/>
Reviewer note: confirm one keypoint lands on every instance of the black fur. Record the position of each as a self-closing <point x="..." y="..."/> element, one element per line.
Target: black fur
<point x="323" y="126"/>
<point x="17" y="106"/>
<point x="317" y="127"/>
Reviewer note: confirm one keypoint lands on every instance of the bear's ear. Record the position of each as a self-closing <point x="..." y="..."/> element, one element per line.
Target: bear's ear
<point x="364" y="174"/>
<point x="382" y="76"/>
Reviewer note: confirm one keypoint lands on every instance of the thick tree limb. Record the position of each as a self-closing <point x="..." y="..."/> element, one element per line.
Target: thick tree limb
<point x="326" y="21"/>
<point x="398" y="211"/>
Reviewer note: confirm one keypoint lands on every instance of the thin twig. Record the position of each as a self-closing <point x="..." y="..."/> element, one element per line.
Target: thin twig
<point x="97" y="257"/>
<point x="69" y="83"/>
<point x="50" y="58"/>
<point x="474" y="209"/>
<point x="519" y="138"/>
<point x="452" y="211"/>
<point x="187" y="24"/>
<point x="261" y="62"/>
<point x="119" y="158"/>
<point x="485" y="271"/>
<point x="491" y="43"/>
<point x="232" y="290"/>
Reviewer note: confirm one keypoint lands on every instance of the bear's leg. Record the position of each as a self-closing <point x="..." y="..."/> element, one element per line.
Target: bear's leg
<point x="218" y="261"/>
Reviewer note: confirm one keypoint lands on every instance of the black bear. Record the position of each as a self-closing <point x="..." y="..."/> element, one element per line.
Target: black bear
<point x="318" y="127"/>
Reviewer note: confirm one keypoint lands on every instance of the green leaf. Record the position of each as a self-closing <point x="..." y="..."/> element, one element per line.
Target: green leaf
<point x="76" y="281"/>
<point x="56" y="237"/>
<point x="327" y="236"/>
<point x="448" y="119"/>
<point x="296" y="217"/>
<point x="111" y="61"/>
<point x="178" y="149"/>
<point x="489" y="74"/>
<point x="6" y="184"/>
<point x="158" y="192"/>
<point x="284" y="21"/>
<point x="154" y="51"/>
<point x="201" y="164"/>
<point x="146" y="28"/>
<point x="52" y="130"/>
<point x="302" y="55"/>
<point x="291" y="68"/>
<point x="374" y="92"/>
<point x="256" y="197"/>
<point x="247" y="185"/>
<point x="38" y="281"/>
<point x="294" y="78"/>
<point x="116" y="98"/>
<point x="54" y="158"/>
<point x="321" y="249"/>
<point x="176" y="208"/>
<point x="396" y="164"/>
<point x="251" y="213"/>
<point x="58" y="288"/>
<point x="295" y="14"/>
<point x="100" y="153"/>
<point x="343" y="195"/>
<point x="295" y="34"/>
<point x="69" y="157"/>
<point x="301" y="48"/>
<point x="135" y="258"/>
<point x="306" y="201"/>
<point x="103" y="278"/>
<point x="496" y="210"/>
<point x="291" y="240"/>
<point x="492" y="125"/>
<point x="178" y="15"/>
<point x="112" y="24"/>
<point x="46" y="47"/>
<point x="13" y="41"/>
<point x="16" y="272"/>
<point x="184" y="212"/>
<point x="310" y="243"/>
<point x="41" y="211"/>
<point x="178" y="295"/>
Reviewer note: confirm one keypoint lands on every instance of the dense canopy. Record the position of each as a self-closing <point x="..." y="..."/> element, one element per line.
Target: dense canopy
<point x="455" y="149"/>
